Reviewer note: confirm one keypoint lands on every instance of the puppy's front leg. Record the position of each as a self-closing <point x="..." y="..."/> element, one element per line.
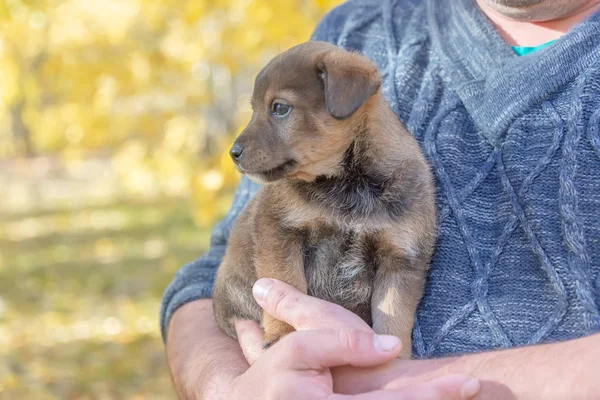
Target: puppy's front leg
<point x="397" y="290"/>
<point x="280" y="257"/>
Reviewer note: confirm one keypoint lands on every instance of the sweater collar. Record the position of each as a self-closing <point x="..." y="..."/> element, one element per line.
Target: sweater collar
<point x="493" y="83"/>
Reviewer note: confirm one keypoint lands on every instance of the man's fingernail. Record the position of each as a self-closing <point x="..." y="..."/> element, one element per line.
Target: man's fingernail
<point x="385" y="342"/>
<point x="261" y="288"/>
<point x="470" y="389"/>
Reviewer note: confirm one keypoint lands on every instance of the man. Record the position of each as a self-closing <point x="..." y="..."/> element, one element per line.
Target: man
<point x="504" y="98"/>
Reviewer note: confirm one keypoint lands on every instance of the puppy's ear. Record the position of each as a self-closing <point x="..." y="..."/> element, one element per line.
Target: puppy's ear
<point x="349" y="79"/>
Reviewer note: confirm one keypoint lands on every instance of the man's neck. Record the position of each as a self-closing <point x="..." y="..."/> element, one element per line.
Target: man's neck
<point x="531" y="33"/>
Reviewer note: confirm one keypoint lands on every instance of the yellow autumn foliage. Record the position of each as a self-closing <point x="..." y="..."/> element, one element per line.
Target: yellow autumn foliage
<point x="115" y="119"/>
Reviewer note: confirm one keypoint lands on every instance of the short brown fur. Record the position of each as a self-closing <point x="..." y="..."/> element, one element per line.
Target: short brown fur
<point x="348" y="214"/>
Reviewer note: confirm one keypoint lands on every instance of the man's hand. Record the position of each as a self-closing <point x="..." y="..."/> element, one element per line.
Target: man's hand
<point x="565" y="370"/>
<point x="206" y="364"/>
<point x="327" y="336"/>
<point x="298" y="366"/>
<point x="301" y="311"/>
<point x="557" y="371"/>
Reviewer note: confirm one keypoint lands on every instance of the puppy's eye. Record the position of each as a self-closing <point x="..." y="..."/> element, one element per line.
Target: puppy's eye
<point x="280" y="110"/>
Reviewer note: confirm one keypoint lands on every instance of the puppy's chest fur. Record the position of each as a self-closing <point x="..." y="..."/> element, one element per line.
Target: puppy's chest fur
<point x="340" y="266"/>
<point x="343" y="222"/>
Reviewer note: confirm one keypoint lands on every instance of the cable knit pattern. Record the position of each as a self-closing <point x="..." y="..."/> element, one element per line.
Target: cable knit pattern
<point x="514" y="143"/>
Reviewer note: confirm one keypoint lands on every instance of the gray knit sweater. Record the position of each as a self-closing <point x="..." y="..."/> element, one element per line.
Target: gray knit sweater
<point x="515" y="146"/>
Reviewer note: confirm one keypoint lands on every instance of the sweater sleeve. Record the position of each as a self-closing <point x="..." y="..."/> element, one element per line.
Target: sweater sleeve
<point x="195" y="280"/>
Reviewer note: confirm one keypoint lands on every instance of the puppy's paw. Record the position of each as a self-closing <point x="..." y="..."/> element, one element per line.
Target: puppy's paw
<point x="270" y="342"/>
<point x="275" y="332"/>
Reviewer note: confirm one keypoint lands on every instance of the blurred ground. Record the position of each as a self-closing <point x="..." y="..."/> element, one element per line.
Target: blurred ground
<point x="80" y="283"/>
<point x="114" y="121"/>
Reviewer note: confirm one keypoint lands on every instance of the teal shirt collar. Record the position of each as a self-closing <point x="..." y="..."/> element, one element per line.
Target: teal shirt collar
<point x="524" y="50"/>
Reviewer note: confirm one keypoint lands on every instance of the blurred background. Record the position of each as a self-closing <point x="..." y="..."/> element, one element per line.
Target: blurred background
<point x="115" y="118"/>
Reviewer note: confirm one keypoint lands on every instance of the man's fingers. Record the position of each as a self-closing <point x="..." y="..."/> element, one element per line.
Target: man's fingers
<point x="405" y="394"/>
<point x="250" y="338"/>
<point x="286" y="303"/>
<point x="456" y="387"/>
<point x="303" y="312"/>
<point x="378" y="395"/>
<point x="315" y="350"/>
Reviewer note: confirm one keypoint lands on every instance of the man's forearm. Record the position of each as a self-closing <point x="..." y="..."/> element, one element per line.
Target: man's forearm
<point x="566" y="370"/>
<point x="201" y="358"/>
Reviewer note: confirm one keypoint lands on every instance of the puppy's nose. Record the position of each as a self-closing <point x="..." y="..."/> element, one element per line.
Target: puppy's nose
<point x="236" y="152"/>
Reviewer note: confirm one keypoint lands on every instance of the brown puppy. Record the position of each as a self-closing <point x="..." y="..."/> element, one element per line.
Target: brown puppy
<point x="348" y="213"/>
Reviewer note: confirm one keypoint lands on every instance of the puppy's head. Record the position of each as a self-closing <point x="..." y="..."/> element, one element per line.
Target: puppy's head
<point x="304" y="103"/>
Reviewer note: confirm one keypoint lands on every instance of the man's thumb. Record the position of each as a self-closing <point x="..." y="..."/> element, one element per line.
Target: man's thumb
<point x="333" y="348"/>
